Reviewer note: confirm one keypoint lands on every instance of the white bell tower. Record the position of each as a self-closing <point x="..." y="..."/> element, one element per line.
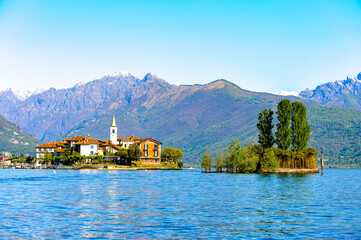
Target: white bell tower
<point x="114" y="132"/>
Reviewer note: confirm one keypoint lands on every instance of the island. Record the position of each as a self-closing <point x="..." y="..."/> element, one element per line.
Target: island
<point x="290" y="156"/>
<point x="79" y="152"/>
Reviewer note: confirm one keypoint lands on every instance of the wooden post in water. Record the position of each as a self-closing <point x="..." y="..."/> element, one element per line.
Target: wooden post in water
<point x="321" y="163"/>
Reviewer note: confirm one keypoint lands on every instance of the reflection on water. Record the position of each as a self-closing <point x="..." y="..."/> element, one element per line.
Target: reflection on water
<point x="178" y="204"/>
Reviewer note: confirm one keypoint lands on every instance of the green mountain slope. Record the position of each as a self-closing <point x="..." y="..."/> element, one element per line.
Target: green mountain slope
<point x="15" y="140"/>
<point x="337" y="132"/>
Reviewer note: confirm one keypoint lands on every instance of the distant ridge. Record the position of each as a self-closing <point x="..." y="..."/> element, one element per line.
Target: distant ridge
<point x="341" y="93"/>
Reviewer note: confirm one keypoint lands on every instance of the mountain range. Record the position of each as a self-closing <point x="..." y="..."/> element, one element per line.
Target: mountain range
<point x="191" y="117"/>
<point x="342" y="93"/>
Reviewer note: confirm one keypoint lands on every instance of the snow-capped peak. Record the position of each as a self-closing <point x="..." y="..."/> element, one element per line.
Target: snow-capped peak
<point x="119" y="74"/>
<point x="287" y="93"/>
<point x="23" y="94"/>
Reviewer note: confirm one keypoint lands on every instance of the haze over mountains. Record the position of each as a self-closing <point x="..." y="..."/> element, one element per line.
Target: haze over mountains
<point x="189" y="117"/>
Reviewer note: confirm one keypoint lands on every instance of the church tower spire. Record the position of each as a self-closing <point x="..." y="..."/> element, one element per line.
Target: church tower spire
<point x="113" y="122"/>
<point x="114" y="132"/>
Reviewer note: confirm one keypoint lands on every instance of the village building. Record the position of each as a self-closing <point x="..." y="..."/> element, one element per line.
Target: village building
<point x="151" y="151"/>
<point x="86" y="146"/>
<point x="4" y="159"/>
<point x="49" y="147"/>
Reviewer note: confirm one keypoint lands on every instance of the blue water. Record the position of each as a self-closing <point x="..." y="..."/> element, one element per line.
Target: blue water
<point x="178" y="205"/>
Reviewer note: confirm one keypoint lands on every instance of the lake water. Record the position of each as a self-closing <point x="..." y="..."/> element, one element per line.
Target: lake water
<point x="97" y="204"/>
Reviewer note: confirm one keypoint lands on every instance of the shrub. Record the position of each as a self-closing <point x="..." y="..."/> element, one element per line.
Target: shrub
<point x="135" y="163"/>
<point x="269" y="160"/>
<point x="180" y="164"/>
<point x="306" y="158"/>
<point x="249" y="159"/>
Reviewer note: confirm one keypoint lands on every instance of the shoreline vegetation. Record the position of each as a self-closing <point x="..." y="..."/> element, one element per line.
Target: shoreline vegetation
<point x="127" y="159"/>
<point x="290" y="156"/>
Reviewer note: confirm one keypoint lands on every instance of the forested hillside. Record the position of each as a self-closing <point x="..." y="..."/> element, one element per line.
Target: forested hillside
<point x="14" y="140"/>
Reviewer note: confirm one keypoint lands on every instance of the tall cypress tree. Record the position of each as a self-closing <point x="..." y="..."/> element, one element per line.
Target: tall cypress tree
<point x="265" y="126"/>
<point x="219" y="161"/>
<point x="300" y="128"/>
<point x="283" y="132"/>
<point x="207" y="162"/>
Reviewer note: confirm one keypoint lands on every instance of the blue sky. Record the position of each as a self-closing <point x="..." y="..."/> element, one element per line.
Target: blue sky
<point x="259" y="45"/>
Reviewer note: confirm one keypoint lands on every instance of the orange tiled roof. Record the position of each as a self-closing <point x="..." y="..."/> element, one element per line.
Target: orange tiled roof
<point x="117" y="147"/>
<point x="59" y="150"/>
<point x="131" y="139"/>
<point x="67" y="139"/>
<point x="108" y="143"/>
<point x="119" y="138"/>
<point x="104" y="143"/>
<point x="149" y="139"/>
<point x="51" y="145"/>
<point x="77" y="139"/>
<point x="87" y="141"/>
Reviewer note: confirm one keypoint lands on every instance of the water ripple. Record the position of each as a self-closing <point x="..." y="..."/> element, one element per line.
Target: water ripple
<point x="179" y="205"/>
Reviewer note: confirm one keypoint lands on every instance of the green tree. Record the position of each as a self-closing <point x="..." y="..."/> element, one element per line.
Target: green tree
<point x="227" y="160"/>
<point x="283" y="132"/>
<point x="180" y="164"/>
<point x="106" y="152"/>
<point x="175" y="154"/>
<point x="57" y="159"/>
<point x="300" y="128"/>
<point x="68" y="151"/>
<point x="249" y="159"/>
<point x="219" y="161"/>
<point x="134" y="152"/>
<point x="265" y="126"/>
<point x="235" y="155"/>
<point x="99" y="158"/>
<point x="207" y="161"/>
<point x="48" y="157"/>
<point x="123" y="155"/>
<point x="269" y="160"/>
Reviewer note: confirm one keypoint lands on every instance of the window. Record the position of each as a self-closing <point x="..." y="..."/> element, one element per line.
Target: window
<point x="91" y="146"/>
<point x="125" y="145"/>
<point x="145" y="153"/>
<point x="113" y="130"/>
<point x="155" y="153"/>
<point x="91" y="153"/>
<point x="145" y="146"/>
